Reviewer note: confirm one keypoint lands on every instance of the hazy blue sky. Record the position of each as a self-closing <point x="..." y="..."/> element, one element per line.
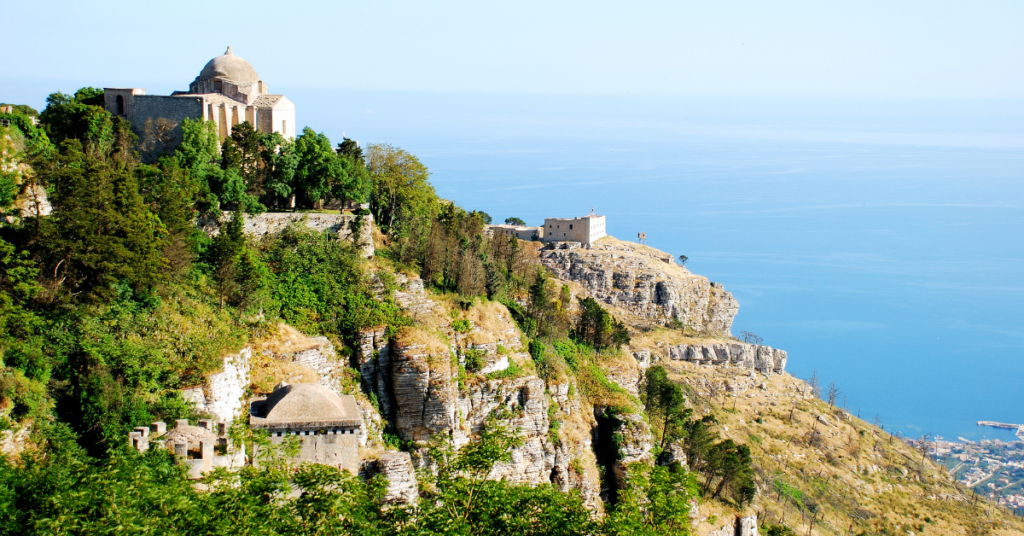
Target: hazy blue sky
<point x="931" y="48"/>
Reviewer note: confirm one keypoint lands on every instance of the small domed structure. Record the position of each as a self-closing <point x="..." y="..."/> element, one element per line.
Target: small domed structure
<point x="228" y="66"/>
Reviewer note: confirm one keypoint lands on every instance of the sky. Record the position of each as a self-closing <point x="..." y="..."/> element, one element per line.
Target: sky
<point x="863" y="49"/>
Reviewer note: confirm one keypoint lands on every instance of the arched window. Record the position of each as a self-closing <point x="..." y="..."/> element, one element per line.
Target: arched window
<point x="120" y="105"/>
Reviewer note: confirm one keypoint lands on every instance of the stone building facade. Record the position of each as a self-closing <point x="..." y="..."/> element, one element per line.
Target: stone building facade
<point x="228" y="91"/>
<point x="326" y="425"/>
<point x="522" y="232"/>
<point x="585" y="230"/>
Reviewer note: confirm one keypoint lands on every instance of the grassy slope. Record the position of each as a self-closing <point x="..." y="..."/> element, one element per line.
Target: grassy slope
<point x="855" y="473"/>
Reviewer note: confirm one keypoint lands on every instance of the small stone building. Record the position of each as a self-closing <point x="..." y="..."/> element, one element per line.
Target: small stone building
<point x="522" y="232"/>
<point x="203" y="447"/>
<point x="585" y="230"/>
<point x="326" y="425"/>
<point x="227" y="91"/>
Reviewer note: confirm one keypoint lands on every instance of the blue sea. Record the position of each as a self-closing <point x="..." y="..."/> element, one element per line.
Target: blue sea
<point x="879" y="242"/>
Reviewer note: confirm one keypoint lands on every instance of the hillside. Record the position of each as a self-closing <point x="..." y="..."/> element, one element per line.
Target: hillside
<point x="490" y="385"/>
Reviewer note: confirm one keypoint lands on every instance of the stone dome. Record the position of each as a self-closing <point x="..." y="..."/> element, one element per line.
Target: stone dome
<point x="229" y="67"/>
<point x="305" y="405"/>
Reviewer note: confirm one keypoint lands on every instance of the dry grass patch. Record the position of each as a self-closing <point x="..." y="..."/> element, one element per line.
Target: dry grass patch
<point x="265" y="372"/>
<point x="421" y="338"/>
<point x="287" y="340"/>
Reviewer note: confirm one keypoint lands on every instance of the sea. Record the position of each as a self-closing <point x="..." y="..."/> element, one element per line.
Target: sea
<point x="880" y="242"/>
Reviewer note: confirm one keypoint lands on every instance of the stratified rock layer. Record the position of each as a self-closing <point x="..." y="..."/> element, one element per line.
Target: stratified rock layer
<point x="644" y="283"/>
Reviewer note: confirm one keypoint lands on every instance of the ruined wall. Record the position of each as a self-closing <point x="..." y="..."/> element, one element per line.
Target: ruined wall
<point x="274" y="222"/>
<point x="223" y="393"/>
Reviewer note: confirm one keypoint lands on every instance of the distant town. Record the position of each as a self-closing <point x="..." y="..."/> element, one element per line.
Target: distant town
<point x="990" y="467"/>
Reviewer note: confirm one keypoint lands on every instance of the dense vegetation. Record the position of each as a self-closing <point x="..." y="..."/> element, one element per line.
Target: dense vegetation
<point x="112" y="304"/>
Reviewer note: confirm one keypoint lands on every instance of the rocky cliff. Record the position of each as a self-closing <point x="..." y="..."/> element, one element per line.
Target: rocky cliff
<point x="642" y="283"/>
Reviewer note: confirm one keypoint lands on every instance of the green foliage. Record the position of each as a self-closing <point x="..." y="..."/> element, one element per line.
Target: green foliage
<point x="200" y="145"/>
<point x="474" y="360"/>
<point x="462" y="325"/>
<point x="655" y="501"/>
<point x="83" y="118"/>
<point x="514" y="221"/>
<point x="322" y="174"/>
<point x="101" y="230"/>
<point x="723" y="466"/>
<point x="778" y="530"/>
<point x="319" y="286"/>
<point x="665" y="405"/>
<point x="597" y="327"/>
<point x="514" y="370"/>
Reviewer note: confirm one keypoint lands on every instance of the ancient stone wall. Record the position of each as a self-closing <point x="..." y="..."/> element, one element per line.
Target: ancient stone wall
<point x="173" y="109"/>
<point x="274" y="222"/>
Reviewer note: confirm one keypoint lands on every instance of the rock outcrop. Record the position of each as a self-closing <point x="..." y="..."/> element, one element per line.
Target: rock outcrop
<point x="764" y="359"/>
<point x="644" y="283"/>
<point x="741" y="526"/>
<point x="398" y="469"/>
<point x="223" y="393"/>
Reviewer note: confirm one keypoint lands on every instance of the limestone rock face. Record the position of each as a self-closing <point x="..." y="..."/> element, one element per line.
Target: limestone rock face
<point x="424" y="392"/>
<point x="398" y="468"/>
<point x="223" y="393"/>
<point x="764" y="359"/>
<point x="644" y="283"/>
<point x="635" y="445"/>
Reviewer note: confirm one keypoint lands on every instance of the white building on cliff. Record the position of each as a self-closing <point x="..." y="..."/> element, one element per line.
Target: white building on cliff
<point x="585" y="230"/>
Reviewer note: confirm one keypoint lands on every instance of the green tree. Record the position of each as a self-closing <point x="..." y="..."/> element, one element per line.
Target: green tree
<point x="403" y="202"/>
<point x="514" y="221"/>
<point x="319" y="168"/>
<point x="101" y="230"/>
<point x="597" y="327"/>
<point x="200" y="145"/>
<point x="665" y="405"/>
<point x="655" y="501"/>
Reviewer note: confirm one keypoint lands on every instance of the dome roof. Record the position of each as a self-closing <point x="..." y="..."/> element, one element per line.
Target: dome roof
<point x="230" y="67"/>
<point x="305" y="405"/>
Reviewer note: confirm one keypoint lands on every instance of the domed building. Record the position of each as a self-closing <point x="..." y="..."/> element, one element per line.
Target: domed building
<point x="326" y="426"/>
<point x="228" y="91"/>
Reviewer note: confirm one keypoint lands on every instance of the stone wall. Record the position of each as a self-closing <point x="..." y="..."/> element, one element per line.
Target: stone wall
<point x="173" y="109"/>
<point x="270" y="223"/>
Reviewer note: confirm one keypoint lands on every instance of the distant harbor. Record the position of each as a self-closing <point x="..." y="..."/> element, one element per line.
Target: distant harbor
<point x="1005" y="426"/>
